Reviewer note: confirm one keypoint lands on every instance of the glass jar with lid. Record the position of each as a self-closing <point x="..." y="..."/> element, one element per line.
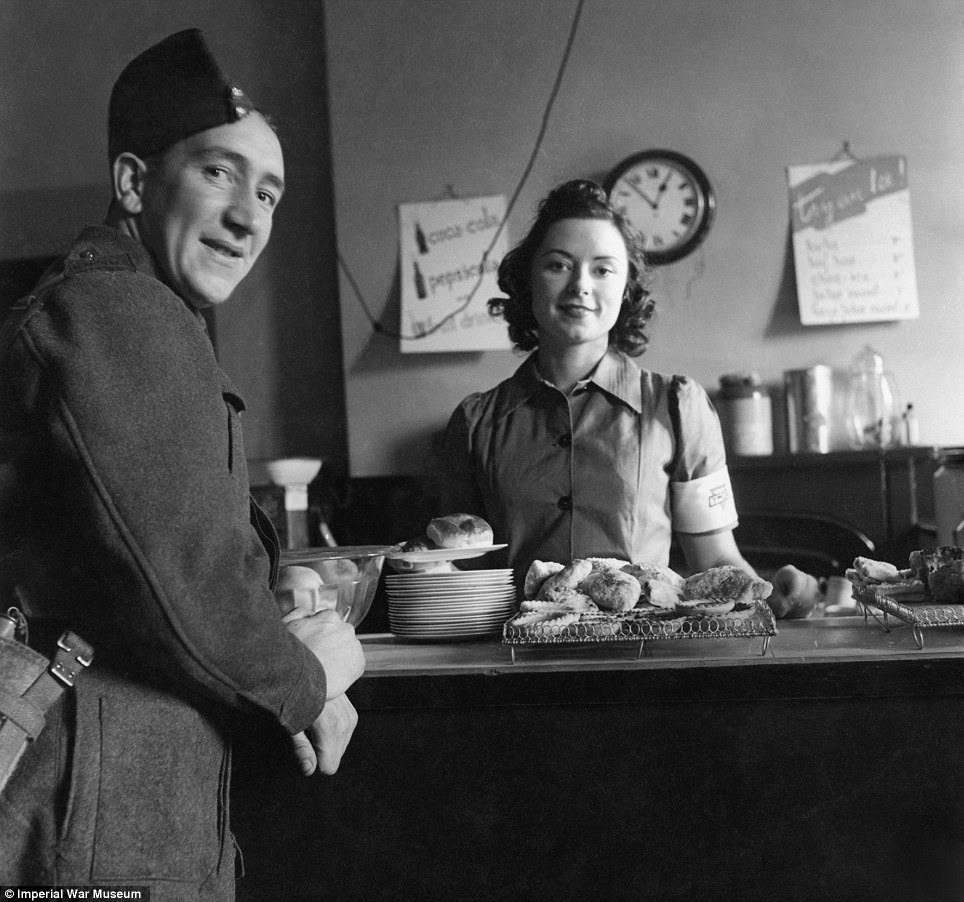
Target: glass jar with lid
<point x="873" y="414"/>
<point x="746" y="416"/>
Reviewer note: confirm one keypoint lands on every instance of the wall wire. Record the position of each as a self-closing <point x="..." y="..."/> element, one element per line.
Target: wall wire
<point x="375" y="324"/>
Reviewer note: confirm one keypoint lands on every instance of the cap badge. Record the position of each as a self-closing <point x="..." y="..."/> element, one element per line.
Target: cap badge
<point x="238" y="103"/>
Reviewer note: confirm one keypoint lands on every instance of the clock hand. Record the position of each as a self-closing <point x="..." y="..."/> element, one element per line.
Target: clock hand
<point x="662" y="189"/>
<point x="642" y="195"/>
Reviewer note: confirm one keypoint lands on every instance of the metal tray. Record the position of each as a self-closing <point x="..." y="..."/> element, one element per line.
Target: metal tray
<point x="633" y="626"/>
<point x="920" y="615"/>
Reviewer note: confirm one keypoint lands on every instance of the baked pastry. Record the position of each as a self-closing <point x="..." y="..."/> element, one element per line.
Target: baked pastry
<point x="659" y="593"/>
<point x="740" y="612"/>
<point x="929" y="560"/>
<point x="607" y="563"/>
<point x="726" y="583"/>
<point x="459" y="531"/>
<point x="883" y="578"/>
<point x="569" y="577"/>
<point x="644" y="572"/>
<point x="568" y="601"/>
<point x="547" y="621"/>
<point x="613" y="590"/>
<point x="947" y="583"/>
<point x="704" y="607"/>
<point x="537" y="574"/>
<point x="876" y="571"/>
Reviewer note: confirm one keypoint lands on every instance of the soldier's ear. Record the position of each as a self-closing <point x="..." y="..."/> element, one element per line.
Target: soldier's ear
<point x="129" y="173"/>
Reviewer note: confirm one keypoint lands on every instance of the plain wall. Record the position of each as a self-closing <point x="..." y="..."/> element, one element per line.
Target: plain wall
<point x="278" y="337"/>
<point x="430" y="95"/>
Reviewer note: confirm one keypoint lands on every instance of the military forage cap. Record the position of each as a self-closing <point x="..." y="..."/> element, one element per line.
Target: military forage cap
<point x="171" y="91"/>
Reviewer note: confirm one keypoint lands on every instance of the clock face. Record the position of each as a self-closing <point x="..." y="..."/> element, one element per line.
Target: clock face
<point x="667" y="198"/>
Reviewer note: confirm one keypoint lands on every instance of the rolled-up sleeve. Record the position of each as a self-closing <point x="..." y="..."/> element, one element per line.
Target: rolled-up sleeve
<point x="701" y="494"/>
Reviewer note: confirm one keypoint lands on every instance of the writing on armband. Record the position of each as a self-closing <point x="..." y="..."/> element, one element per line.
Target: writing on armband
<point x="703" y="504"/>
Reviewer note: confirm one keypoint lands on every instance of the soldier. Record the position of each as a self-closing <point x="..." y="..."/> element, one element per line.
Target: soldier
<point x="125" y="514"/>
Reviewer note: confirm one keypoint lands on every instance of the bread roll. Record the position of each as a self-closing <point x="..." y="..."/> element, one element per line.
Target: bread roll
<point x="459" y="531"/>
<point x="337" y="570"/>
<point x="300" y="589"/>
<point x="613" y="590"/>
<point x="422" y="543"/>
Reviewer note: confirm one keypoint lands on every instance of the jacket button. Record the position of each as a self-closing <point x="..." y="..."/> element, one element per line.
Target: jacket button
<point x="565" y="440"/>
<point x="565" y="503"/>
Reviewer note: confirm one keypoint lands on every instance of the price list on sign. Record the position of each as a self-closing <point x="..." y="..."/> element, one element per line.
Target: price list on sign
<point x="853" y="248"/>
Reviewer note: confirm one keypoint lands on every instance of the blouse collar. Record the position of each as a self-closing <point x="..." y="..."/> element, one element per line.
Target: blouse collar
<point x="615" y="374"/>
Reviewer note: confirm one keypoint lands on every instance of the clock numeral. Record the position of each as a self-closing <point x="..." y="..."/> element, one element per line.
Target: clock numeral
<point x="653" y="172"/>
<point x="658" y="241"/>
<point x="689" y="201"/>
<point x="686" y="219"/>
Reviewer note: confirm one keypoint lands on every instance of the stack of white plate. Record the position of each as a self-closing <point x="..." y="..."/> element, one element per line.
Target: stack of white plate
<point x="467" y="604"/>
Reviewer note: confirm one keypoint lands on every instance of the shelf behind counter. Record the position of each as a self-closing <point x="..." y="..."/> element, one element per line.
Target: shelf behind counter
<point x="830" y="767"/>
<point x="886" y="493"/>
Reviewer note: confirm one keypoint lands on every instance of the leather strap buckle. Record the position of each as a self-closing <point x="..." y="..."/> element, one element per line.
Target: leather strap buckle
<point x="72" y="657"/>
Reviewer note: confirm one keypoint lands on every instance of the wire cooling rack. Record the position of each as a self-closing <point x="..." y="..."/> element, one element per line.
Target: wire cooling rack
<point x="642" y="627"/>
<point x="919" y="617"/>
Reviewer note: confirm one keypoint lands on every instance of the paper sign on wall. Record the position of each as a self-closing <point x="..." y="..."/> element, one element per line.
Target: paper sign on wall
<point x="442" y="244"/>
<point x="853" y="246"/>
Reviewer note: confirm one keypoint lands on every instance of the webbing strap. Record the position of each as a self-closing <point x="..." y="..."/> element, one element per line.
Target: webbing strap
<point x="22" y="719"/>
<point x="22" y="713"/>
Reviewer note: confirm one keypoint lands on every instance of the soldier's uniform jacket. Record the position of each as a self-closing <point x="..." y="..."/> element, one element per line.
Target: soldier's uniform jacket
<point x="124" y="514"/>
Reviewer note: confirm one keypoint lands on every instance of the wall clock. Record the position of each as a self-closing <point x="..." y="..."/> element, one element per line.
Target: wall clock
<point x="667" y="198"/>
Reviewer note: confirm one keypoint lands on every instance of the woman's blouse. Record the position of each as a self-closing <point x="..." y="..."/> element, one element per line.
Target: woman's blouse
<point x="609" y="470"/>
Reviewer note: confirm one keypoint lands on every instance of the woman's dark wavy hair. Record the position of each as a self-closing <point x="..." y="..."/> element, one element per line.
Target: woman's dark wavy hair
<point x="578" y="199"/>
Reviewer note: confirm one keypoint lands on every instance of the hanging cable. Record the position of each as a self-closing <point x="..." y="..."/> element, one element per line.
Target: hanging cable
<point x="375" y="324"/>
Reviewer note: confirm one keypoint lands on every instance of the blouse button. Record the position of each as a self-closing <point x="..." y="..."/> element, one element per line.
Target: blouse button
<point x="565" y="503"/>
<point x="565" y="441"/>
<point x="87" y="255"/>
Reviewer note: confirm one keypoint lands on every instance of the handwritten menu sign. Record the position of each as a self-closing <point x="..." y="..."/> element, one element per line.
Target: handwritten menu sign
<point x="442" y="245"/>
<point x="853" y="247"/>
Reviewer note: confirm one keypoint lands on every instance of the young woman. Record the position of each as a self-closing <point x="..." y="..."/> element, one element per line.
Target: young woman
<point x="580" y="453"/>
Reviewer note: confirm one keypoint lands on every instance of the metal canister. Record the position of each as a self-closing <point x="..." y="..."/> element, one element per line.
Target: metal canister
<point x="809" y="406"/>
<point x="745" y="414"/>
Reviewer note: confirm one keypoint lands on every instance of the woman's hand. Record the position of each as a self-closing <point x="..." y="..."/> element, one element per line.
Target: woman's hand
<point x="794" y="595"/>
<point x="325" y="741"/>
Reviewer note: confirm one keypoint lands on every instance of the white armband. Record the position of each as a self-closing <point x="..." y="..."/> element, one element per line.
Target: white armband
<point x="704" y="504"/>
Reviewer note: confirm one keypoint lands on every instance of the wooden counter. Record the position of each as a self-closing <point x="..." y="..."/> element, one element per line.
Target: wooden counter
<point x="830" y="767"/>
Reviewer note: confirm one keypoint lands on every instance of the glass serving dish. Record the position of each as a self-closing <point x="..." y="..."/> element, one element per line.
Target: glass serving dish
<point x="349" y="576"/>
